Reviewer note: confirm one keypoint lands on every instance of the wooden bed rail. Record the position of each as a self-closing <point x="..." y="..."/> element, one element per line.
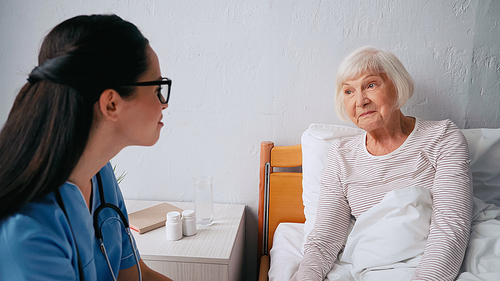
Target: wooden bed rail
<point x="280" y="194"/>
<point x="265" y="157"/>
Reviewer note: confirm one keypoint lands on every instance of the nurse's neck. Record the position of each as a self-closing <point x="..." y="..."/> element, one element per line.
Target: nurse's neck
<point x="93" y="159"/>
<point x="82" y="174"/>
<point x="102" y="145"/>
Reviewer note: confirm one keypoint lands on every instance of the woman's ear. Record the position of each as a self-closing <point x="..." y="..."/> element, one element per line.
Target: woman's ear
<point x="110" y="104"/>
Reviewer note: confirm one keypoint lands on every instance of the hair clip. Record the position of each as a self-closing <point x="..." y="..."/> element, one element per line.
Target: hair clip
<point x="32" y="80"/>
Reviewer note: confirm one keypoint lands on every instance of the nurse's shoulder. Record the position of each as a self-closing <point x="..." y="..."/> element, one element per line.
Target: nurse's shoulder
<point x="34" y="242"/>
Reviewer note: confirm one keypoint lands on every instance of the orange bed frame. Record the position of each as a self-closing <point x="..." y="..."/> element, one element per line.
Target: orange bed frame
<point x="280" y="195"/>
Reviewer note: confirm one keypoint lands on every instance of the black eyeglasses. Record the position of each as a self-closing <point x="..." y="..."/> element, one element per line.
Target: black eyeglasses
<point x="163" y="81"/>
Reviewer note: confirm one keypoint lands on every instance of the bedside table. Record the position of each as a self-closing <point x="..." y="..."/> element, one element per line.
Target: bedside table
<point x="214" y="253"/>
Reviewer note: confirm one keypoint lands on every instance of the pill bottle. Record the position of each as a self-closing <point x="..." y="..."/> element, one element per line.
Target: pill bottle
<point x="174" y="226"/>
<point x="188" y="223"/>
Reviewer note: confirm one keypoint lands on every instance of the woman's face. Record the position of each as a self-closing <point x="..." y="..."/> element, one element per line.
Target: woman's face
<point x="370" y="101"/>
<point x="144" y="111"/>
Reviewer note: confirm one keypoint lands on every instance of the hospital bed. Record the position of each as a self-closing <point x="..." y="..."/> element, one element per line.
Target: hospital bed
<point x="289" y="191"/>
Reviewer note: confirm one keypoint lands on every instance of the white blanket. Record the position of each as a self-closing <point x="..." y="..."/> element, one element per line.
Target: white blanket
<point x="388" y="241"/>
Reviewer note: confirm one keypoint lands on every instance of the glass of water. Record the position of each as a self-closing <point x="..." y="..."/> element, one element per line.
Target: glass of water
<point x="203" y="200"/>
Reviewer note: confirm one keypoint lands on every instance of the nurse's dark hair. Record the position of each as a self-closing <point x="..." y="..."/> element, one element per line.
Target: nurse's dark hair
<point x="48" y="126"/>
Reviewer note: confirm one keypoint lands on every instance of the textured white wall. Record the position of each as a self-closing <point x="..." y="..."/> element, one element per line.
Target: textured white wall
<point x="245" y="71"/>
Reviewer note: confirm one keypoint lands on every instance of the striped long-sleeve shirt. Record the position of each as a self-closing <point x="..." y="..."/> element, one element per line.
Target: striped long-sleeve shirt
<point x="435" y="156"/>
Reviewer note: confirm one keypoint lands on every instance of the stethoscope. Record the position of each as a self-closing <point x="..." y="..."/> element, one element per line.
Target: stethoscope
<point x="97" y="228"/>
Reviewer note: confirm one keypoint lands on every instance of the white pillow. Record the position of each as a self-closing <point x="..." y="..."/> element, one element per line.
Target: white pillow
<point x="484" y="149"/>
<point x="316" y="142"/>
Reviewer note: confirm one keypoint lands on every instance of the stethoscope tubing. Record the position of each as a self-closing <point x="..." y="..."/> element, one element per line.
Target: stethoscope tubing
<point x="98" y="233"/>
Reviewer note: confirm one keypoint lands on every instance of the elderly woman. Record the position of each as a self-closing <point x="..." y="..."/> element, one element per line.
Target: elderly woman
<point x="397" y="151"/>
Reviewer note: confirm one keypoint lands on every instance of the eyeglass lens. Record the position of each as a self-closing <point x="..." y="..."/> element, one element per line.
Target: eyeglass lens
<point x="161" y="96"/>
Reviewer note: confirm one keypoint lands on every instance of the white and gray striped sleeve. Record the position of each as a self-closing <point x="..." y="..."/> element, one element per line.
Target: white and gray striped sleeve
<point x="452" y="209"/>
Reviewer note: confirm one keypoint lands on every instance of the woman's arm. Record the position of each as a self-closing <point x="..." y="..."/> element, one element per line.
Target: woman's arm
<point x="452" y="209"/>
<point x="330" y="228"/>
<point x="130" y="274"/>
<point x="33" y="247"/>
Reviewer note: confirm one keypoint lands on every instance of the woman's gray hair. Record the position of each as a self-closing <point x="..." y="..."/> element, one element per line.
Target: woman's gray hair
<point x="371" y="59"/>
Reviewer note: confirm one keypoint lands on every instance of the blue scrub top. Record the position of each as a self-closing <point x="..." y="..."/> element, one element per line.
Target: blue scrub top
<point x="36" y="243"/>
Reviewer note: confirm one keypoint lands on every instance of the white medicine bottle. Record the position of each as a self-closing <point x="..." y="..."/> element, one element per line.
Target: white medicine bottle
<point x="188" y="223"/>
<point x="174" y="226"/>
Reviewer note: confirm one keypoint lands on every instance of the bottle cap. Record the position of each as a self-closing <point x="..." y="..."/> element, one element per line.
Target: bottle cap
<point x="188" y="214"/>
<point x="173" y="216"/>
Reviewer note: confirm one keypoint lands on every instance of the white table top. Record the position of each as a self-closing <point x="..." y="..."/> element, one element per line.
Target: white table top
<point x="211" y="244"/>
